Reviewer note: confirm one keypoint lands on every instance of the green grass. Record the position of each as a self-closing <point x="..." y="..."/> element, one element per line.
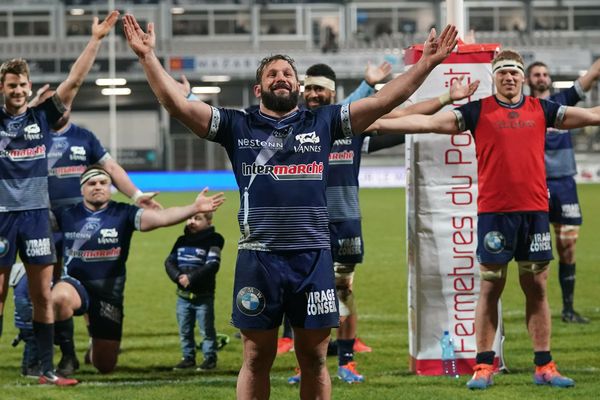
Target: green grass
<point x="151" y="346"/>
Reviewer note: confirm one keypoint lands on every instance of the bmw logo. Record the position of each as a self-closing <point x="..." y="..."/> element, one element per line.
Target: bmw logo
<point x="494" y="242"/>
<point x="250" y="301"/>
<point x="4" y="246"/>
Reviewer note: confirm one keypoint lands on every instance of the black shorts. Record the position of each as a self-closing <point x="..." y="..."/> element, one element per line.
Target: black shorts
<point x="106" y="319"/>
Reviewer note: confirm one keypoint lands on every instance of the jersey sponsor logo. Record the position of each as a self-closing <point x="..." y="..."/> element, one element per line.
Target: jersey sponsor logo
<point x="514" y="122"/>
<point x="349" y="246"/>
<point x="259" y="144"/>
<point x="570" y="210"/>
<point x="95" y="255"/>
<point x="494" y="242"/>
<point x="312" y="171"/>
<point x="341" y="157"/>
<point x="321" y="302"/>
<point x="86" y="232"/>
<point x="77" y="153"/>
<point x="108" y="235"/>
<point x="250" y="301"/>
<point x="32" y="132"/>
<point x="4" y="246"/>
<point x="308" y="143"/>
<point x="282" y="133"/>
<point x="74" y="171"/>
<point x="343" y="142"/>
<point x="11" y="134"/>
<point x="540" y="242"/>
<point x="29" y="154"/>
<point x="38" y="247"/>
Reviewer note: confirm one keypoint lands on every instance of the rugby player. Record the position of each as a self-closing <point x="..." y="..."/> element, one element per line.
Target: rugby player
<point x="280" y="156"/>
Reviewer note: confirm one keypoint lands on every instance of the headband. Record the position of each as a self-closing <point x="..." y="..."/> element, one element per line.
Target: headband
<point x="513" y="65"/>
<point x="319" y="81"/>
<point x="92" y="173"/>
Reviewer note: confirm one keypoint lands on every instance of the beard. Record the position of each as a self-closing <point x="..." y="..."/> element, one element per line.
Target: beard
<point x="320" y="102"/>
<point x="541" y="87"/>
<point x="279" y="103"/>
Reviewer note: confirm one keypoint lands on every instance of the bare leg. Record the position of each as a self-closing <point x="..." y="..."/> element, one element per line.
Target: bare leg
<point x="311" y="352"/>
<point x="260" y="348"/>
<point x="537" y="310"/>
<point x="486" y="312"/>
<point x="105" y="354"/>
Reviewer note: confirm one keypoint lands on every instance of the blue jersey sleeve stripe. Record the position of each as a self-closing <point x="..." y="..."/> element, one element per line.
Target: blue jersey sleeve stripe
<point x="215" y="121"/>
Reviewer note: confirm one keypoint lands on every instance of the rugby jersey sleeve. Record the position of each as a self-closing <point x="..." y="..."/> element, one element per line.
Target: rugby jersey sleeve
<point x="221" y="125"/>
<point x="570" y="96"/>
<point x="467" y="116"/>
<point x="53" y="108"/>
<point x="553" y="112"/>
<point x="98" y="154"/>
<point x="340" y="125"/>
<point x="134" y="216"/>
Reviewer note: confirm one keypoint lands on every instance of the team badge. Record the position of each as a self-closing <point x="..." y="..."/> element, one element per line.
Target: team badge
<point x="250" y="301"/>
<point x="4" y="246"/>
<point x="494" y="242"/>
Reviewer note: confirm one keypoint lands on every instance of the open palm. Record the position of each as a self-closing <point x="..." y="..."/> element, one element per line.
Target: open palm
<point x="140" y="42"/>
<point x="100" y="30"/>
<point x="437" y="49"/>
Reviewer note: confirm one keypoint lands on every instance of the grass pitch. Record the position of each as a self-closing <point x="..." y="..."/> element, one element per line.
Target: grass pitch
<point x="151" y="344"/>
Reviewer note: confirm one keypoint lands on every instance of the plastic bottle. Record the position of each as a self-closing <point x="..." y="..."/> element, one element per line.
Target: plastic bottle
<point x="448" y="356"/>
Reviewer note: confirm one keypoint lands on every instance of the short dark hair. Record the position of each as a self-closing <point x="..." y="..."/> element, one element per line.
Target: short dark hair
<point x="321" y="70"/>
<point x="268" y="60"/>
<point x="533" y="65"/>
<point x="17" y="66"/>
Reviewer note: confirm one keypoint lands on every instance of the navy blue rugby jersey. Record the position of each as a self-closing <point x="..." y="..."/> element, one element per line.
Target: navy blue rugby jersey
<point x="23" y="166"/>
<point x="96" y="246"/>
<point x="342" y="182"/>
<point x="559" y="154"/>
<point x="281" y="168"/>
<point x="69" y="153"/>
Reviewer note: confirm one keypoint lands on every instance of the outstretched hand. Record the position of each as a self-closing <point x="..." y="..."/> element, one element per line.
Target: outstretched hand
<point x="437" y="49"/>
<point x="100" y="30"/>
<point x="146" y="200"/>
<point x="375" y="74"/>
<point x="209" y="203"/>
<point x="140" y="42"/>
<point x="459" y="91"/>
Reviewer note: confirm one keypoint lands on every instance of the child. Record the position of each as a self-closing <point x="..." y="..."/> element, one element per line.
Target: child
<point x="193" y="265"/>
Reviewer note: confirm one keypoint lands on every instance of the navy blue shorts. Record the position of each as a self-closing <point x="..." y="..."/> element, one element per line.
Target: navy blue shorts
<point x="106" y="319"/>
<point x="564" y="203"/>
<point x="298" y="284"/>
<point x="346" y="242"/>
<point x="81" y="291"/>
<point x="524" y="236"/>
<point x="29" y="233"/>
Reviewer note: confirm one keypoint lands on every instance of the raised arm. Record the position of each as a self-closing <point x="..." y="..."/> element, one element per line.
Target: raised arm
<point x="196" y="115"/>
<point x="366" y="111"/>
<point x="152" y="219"/>
<point x="67" y="90"/>
<point x="373" y="75"/>
<point x="124" y="184"/>
<point x="458" y="91"/>
<point x="577" y="117"/>
<point x="593" y="73"/>
<point x="443" y="122"/>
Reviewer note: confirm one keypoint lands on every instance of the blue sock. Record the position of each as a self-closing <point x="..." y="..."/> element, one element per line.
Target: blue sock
<point x="541" y="358"/>
<point x="345" y="351"/>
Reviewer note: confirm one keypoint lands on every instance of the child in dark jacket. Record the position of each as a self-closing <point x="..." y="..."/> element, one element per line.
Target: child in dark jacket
<point x="193" y="265"/>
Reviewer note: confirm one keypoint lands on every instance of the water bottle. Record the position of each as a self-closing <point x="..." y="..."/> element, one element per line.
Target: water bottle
<point x="448" y="356"/>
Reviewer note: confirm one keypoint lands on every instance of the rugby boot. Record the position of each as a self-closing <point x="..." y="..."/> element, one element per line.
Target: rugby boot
<point x="361" y="347"/>
<point x="482" y="377"/>
<point x="285" y="345"/>
<point x="292" y="380"/>
<point x="573" y="317"/>
<point x="547" y="374"/>
<point x="349" y="374"/>
<point x="50" y="378"/>
<point x="67" y="365"/>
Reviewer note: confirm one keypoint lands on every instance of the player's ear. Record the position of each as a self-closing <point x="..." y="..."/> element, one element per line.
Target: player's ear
<point x="257" y="91"/>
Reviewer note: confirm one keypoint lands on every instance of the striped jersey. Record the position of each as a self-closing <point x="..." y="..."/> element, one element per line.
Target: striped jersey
<point x="281" y="168"/>
<point x="96" y="246"/>
<point x="23" y="165"/>
<point x="69" y="153"/>
<point x="560" y="157"/>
